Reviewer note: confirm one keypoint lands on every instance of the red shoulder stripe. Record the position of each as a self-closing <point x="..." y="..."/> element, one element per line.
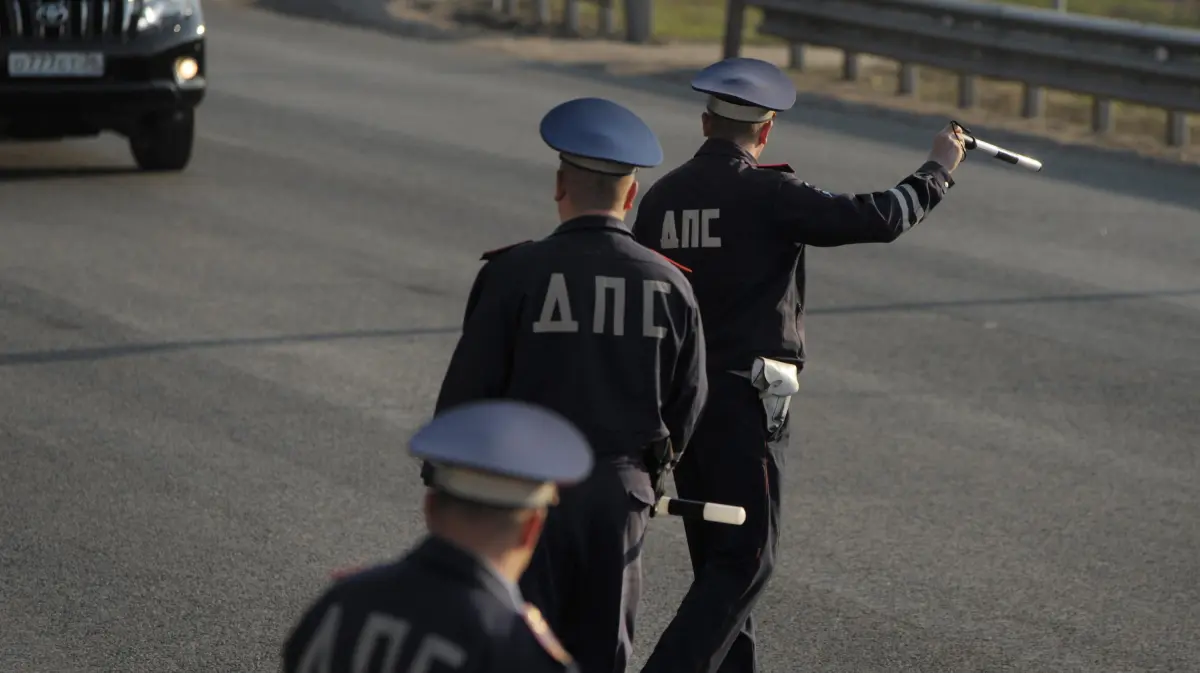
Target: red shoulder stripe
<point x="777" y="167"/>
<point x="500" y="251"/>
<point x="343" y="573"/>
<point x="677" y="264"/>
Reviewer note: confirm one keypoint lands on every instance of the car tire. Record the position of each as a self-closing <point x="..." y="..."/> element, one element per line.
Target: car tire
<point x="165" y="144"/>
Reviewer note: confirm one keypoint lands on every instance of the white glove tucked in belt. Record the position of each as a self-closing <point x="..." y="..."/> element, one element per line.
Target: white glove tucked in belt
<point x="776" y="383"/>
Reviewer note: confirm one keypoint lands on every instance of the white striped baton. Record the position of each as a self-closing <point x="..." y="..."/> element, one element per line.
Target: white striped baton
<point x="695" y="509"/>
<point x="995" y="152"/>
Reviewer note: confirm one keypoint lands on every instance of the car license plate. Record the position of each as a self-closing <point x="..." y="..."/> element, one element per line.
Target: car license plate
<point x="55" y="64"/>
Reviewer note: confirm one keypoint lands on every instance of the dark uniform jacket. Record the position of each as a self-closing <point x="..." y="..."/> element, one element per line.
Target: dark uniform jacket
<point x="437" y="609"/>
<point x="742" y="228"/>
<point x="592" y="325"/>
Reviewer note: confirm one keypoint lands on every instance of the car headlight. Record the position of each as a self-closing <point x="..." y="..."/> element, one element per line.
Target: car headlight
<point x="156" y="13"/>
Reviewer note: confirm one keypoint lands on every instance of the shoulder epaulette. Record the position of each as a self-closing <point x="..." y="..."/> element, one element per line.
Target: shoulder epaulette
<point x="492" y="254"/>
<point x="545" y="637"/>
<point x="673" y="262"/>
<point x="783" y="168"/>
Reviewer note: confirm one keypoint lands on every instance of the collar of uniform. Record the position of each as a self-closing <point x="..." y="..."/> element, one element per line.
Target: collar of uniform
<point x="725" y="148"/>
<point x="447" y="555"/>
<point x="585" y="222"/>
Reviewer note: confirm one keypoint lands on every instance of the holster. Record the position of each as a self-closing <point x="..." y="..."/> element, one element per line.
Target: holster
<point x="660" y="461"/>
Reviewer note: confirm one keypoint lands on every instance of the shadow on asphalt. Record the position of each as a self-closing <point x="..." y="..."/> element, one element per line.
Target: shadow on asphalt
<point x="92" y="354"/>
<point x="62" y="172"/>
<point x="915" y="307"/>
<point x="98" y="353"/>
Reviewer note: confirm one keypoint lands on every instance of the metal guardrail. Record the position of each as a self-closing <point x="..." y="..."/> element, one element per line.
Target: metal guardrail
<point x="1109" y="59"/>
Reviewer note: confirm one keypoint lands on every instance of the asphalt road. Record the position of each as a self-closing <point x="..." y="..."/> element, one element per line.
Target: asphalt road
<point x="207" y="380"/>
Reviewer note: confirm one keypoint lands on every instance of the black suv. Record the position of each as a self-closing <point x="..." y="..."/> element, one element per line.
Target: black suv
<point x="76" y="68"/>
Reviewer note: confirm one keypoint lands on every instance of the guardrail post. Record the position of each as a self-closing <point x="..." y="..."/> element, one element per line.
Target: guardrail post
<point x="1034" y="105"/>
<point x="639" y="19"/>
<point x="850" y="66"/>
<point x="796" y="56"/>
<point x="968" y="93"/>
<point x="735" y="23"/>
<point x="1102" y="120"/>
<point x="607" y="18"/>
<point x="1178" y="128"/>
<point x="571" y="17"/>
<point x="907" y="86"/>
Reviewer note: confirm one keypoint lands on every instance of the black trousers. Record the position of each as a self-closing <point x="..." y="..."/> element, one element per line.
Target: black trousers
<point x="731" y="460"/>
<point x="586" y="572"/>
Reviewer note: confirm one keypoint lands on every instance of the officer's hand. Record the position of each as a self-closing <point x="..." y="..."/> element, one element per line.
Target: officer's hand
<point x="948" y="149"/>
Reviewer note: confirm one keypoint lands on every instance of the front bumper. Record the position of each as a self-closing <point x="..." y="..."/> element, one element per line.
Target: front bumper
<point x="97" y="100"/>
<point x="136" y="82"/>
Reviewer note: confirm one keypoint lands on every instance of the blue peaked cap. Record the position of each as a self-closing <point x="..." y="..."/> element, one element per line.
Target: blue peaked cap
<point x="504" y="453"/>
<point x="599" y="135"/>
<point x="745" y="89"/>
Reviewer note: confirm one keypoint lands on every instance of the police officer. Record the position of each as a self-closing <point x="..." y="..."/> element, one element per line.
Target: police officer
<point x="607" y="332"/>
<point x="453" y="603"/>
<point x="742" y="227"/>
